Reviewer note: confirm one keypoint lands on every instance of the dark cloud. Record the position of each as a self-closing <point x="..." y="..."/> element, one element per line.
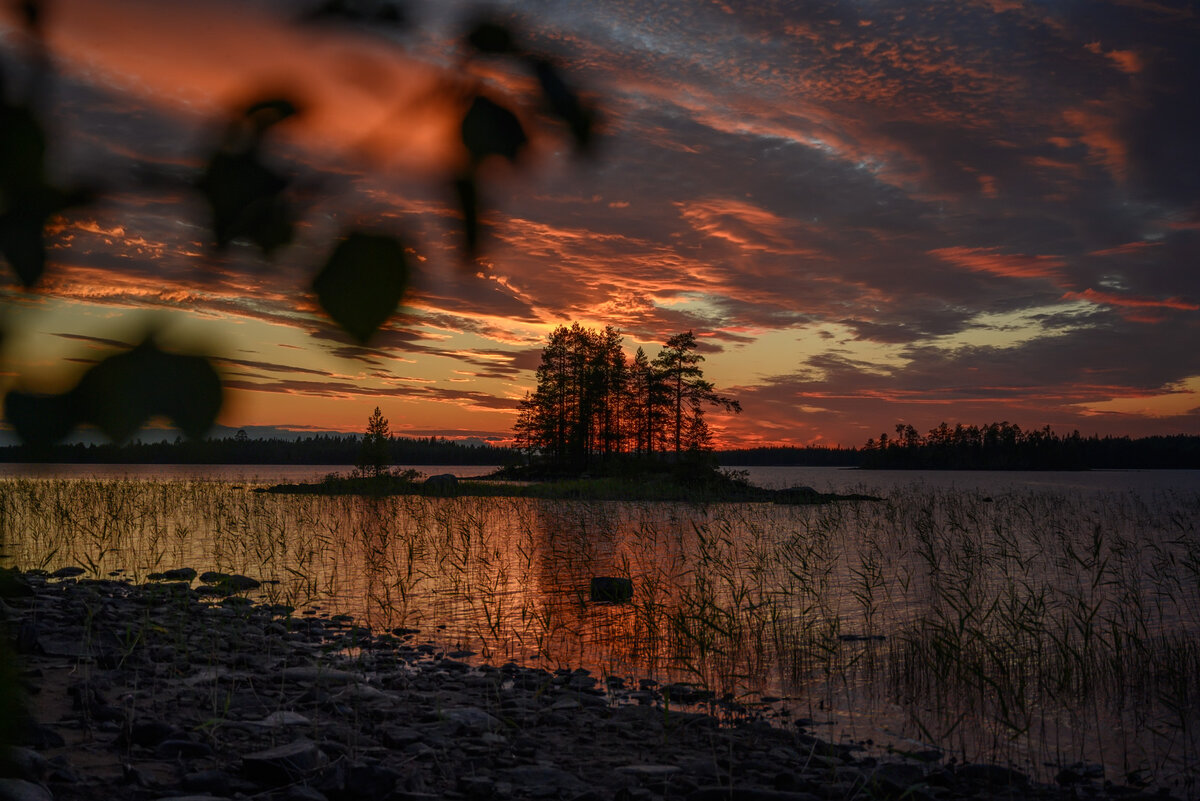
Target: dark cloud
<point x="993" y="205"/>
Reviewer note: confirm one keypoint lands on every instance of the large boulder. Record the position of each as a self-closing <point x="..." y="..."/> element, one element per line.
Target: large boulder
<point x="441" y="484"/>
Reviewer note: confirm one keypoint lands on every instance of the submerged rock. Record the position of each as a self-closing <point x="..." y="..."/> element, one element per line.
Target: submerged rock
<point x="612" y="589"/>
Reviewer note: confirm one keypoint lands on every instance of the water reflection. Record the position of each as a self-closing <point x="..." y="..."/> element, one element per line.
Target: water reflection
<point x="1029" y="627"/>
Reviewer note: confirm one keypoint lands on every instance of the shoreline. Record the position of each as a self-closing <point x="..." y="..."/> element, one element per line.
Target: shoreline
<point x="159" y="692"/>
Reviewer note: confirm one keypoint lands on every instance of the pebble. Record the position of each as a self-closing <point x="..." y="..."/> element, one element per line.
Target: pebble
<point x="170" y="697"/>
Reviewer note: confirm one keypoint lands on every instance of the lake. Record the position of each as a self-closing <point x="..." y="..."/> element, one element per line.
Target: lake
<point x="1032" y="619"/>
<point x="824" y="479"/>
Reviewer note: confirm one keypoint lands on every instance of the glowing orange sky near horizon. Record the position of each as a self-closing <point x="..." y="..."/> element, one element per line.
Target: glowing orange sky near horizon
<point x="851" y="226"/>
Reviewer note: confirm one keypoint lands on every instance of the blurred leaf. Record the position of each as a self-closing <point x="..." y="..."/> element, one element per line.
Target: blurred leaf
<point x="490" y="129"/>
<point x="245" y="198"/>
<point x="383" y="11"/>
<point x="490" y="37"/>
<point x="363" y="282"/>
<point x="120" y="394"/>
<point x="40" y="420"/>
<point x="31" y="13"/>
<point x="467" y="194"/>
<point x="564" y="102"/>
<point x="22" y="228"/>
<point x="22" y="152"/>
<point x="265" y="113"/>
<point x="115" y="395"/>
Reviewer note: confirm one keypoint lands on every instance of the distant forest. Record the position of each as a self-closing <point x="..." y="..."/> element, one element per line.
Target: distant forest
<point x="323" y="449"/>
<point x="1004" y="446"/>
<point x="996" y="446"/>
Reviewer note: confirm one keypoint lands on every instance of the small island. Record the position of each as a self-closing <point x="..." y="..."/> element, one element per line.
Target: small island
<point x="598" y="426"/>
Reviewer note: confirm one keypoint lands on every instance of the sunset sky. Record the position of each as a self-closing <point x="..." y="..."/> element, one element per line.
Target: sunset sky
<point x="869" y="212"/>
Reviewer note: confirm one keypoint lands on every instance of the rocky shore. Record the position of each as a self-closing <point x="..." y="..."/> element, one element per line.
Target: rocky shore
<point x="165" y="691"/>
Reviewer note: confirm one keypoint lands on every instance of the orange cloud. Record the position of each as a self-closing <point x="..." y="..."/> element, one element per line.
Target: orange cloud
<point x="1098" y="133"/>
<point x="1129" y="302"/>
<point x="358" y="95"/>
<point x="1010" y="265"/>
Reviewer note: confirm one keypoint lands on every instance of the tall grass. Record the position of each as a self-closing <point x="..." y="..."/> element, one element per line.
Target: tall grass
<point x="1036" y="628"/>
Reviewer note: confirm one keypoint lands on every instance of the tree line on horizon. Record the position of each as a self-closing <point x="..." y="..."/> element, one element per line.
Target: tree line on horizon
<point x="1005" y="446"/>
<point x="331" y="449"/>
<point x="593" y="403"/>
<point x="971" y="448"/>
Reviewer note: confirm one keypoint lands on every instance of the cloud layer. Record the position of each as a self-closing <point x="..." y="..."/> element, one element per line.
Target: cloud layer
<point x="870" y="213"/>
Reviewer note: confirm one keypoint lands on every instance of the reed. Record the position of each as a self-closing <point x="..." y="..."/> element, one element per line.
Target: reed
<point x="1032" y="628"/>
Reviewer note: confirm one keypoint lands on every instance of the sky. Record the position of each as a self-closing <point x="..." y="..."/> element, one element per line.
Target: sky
<point x="869" y="212"/>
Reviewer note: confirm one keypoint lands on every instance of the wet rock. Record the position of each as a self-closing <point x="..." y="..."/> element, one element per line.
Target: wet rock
<point x="995" y="775"/>
<point x="182" y="749"/>
<point x="717" y="793"/>
<point x="214" y="577"/>
<point x="320" y="675"/>
<point x="303" y="793"/>
<point x="239" y="583"/>
<point x="36" y="735"/>
<point x="283" y="764"/>
<point x="1078" y="773"/>
<point x="477" y="786"/>
<point x="150" y="733"/>
<point x="21" y="790"/>
<point x="896" y="778"/>
<point x="179" y="574"/>
<point x="25" y="763"/>
<point x="542" y="778"/>
<point x="67" y="572"/>
<point x="284" y="718"/>
<point x="471" y="718"/>
<point x="14" y="585"/>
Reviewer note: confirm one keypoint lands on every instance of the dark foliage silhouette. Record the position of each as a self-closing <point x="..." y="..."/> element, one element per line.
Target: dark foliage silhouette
<point x="251" y="199"/>
<point x="593" y="404"/>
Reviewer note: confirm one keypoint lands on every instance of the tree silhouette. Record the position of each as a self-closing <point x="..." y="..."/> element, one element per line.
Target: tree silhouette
<point x="591" y="401"/>
<point x="373" y="454"/>
<point x="678" y="365"/>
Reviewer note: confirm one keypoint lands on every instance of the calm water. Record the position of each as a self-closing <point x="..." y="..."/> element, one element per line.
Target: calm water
<point x="824" y="479"/>
<point x="1028" y="618"/>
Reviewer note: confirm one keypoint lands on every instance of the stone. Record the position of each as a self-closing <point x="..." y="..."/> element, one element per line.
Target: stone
<point x="182" y="749"/>
<point x="471" y="717"/>
<point x="284" y="764"/>
<point x="537" y="776"/>
<point x="239" y="583"/>
<point x="151" y="733"/>
<point x="996" y="775"/>
<point x="14" y="585"/>
<point x="179" y="574"/>
<point x="896" y="778"/>
<point x="26" y="763"/>
<point x="21" y="790"/>
<point x="612" y="589"/>
<point x="284" y="718"/>
<point x="718" y="793"/>
<point x="213" y="577"/>
<point x="319" y="675"/>
<point x="441" y="484"/>
<point x="302" y="792"/>
<point x="67" y="572"/>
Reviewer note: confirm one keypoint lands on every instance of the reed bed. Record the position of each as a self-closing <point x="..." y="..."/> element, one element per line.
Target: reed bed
<point x="1036" y="629"/>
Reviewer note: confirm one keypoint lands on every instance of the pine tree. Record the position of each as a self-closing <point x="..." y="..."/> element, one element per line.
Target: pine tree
<point x="373" y="456"/>
<point x="679" y="365"/>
